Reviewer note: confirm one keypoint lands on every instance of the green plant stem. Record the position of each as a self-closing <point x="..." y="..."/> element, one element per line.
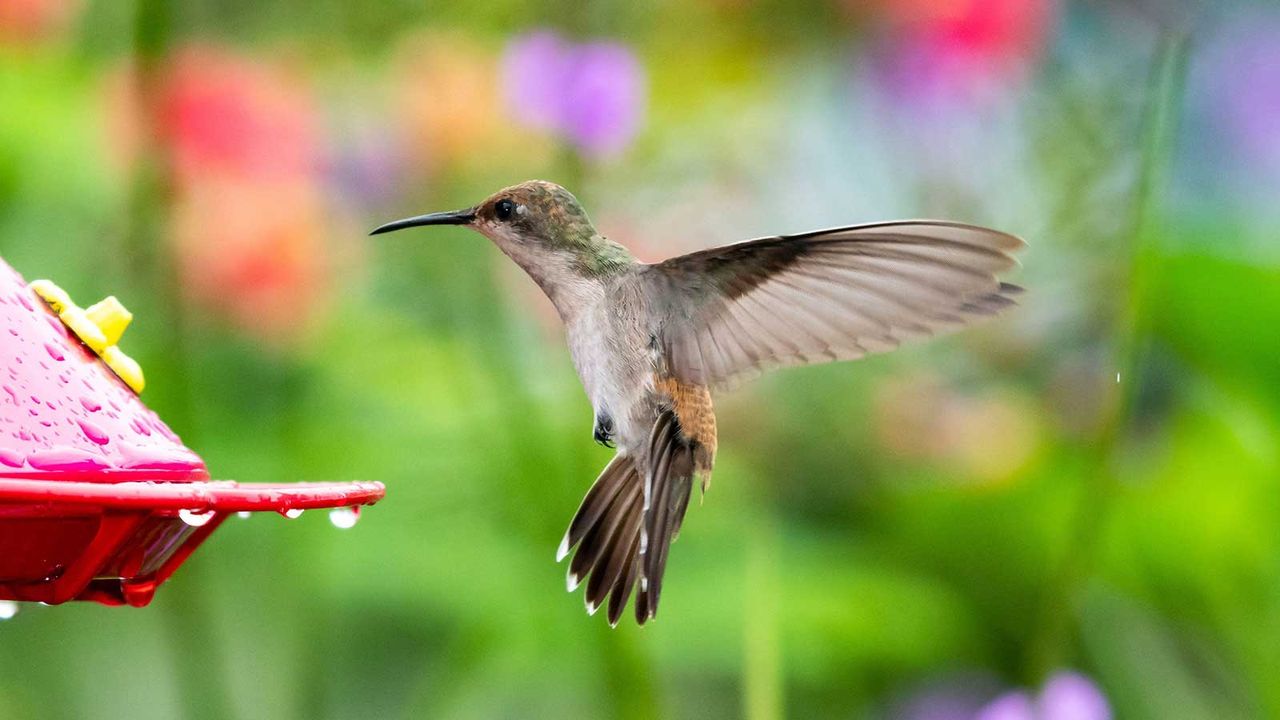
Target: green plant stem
<point x="762" y="693"/>
<point x="1129" y="332"/>
<point x="145" y="260"/>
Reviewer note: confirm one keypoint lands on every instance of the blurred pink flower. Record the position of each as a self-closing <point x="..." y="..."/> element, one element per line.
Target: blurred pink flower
<point x="591" y="94"/>
<point x="244" y="146"/>
<point x="961" y="50"/>
<point x="223" y="114"/>
<point x="27" y="21"/>
<point x="253" y="253"/>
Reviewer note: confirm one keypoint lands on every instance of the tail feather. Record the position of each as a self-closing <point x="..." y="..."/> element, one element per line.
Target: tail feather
<point x="618" y="558"/>
<point x="679" y="506"/>
<point x="606" y="487"/>
<point x="622" y="589"/>
<point x="598" y="540"/>
<point x="623" y="530"/>
<point x="671" y="479"/>
<point x="606" y="533"/>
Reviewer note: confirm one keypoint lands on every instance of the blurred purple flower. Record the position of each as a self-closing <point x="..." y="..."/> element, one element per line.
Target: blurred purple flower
<point x="1072" y="696"/>
<point x="534" y="74"/>
<point x="1065" y="696"/>
<point x="367" y="165"/>
<point x="591" y="94"/>
<point x="1244" y="89"/>
<point x="1009" y="706"/>
<point x="957" y="698"/>
<point x="605" y="99"/>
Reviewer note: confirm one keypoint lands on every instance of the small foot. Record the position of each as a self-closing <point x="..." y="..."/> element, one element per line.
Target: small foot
<point x="603" y="430"/>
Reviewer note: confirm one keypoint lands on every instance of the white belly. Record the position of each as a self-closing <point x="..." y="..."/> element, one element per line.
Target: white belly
<point x="609" y="353"/>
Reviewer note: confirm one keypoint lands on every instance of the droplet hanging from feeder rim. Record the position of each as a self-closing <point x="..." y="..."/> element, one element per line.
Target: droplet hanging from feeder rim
<point x="196" y="518"/>
<point x="344" y="518"/>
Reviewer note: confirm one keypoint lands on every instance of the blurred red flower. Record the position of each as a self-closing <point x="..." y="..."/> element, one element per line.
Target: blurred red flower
<point x="225" y="114"/>
<point x="252" y="252"/>
<point x="243" y="141"/>
<point x="25" y="21"/>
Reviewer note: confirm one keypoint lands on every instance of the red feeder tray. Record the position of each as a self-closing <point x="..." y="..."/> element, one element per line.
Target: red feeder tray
<point x="99" y="499"/>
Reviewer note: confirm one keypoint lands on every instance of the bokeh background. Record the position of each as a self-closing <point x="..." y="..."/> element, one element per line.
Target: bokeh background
<point x="1070" y="514"/>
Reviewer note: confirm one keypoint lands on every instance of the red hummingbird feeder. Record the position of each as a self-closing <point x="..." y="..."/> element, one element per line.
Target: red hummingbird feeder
<point x="99" y="499"/>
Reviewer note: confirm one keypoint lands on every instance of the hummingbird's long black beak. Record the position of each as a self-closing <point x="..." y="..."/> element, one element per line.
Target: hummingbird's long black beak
<point x="457" y="217"/>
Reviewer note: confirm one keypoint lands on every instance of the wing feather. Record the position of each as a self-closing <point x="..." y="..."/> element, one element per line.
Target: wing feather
<point x="731" y="312"/>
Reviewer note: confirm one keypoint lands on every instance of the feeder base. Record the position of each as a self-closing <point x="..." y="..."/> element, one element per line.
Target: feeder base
<point x="115" y="543"/>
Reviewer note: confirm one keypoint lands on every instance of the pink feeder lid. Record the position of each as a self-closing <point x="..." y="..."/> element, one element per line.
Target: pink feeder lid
<point x="64" y="414"/>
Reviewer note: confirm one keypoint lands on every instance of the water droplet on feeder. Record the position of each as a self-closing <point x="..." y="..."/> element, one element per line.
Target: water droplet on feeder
<point x="139" y="594"/>
<point x="292" y="513"/>
<point x="67" y="459"/>
<point x="12" y="458"/>
<point x="244" y="514"/>
<point x="8" y="609"/>
<point x="93" y="432"/>
<point x="344" y="518"/>
<point x="195" y="518"/>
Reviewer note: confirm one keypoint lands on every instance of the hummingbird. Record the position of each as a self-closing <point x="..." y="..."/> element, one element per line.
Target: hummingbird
<point x="651" y="341"/>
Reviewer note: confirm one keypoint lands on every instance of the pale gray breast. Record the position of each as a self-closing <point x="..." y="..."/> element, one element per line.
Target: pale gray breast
<point x="608" y="339"/>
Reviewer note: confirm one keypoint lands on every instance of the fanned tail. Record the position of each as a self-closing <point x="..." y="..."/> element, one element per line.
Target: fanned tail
<point x="621" y="543"/>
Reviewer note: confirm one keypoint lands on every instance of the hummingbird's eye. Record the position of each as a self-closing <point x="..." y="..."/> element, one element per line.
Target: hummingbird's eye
<point x="504" y="209"/>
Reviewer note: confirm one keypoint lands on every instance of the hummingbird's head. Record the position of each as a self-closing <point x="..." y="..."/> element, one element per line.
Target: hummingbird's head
<point x="535" y="222"/>
<point x="535" y="212"/>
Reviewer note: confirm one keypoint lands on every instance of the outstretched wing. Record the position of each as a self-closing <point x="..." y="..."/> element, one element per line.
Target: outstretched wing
<point x="731" y="312"/>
